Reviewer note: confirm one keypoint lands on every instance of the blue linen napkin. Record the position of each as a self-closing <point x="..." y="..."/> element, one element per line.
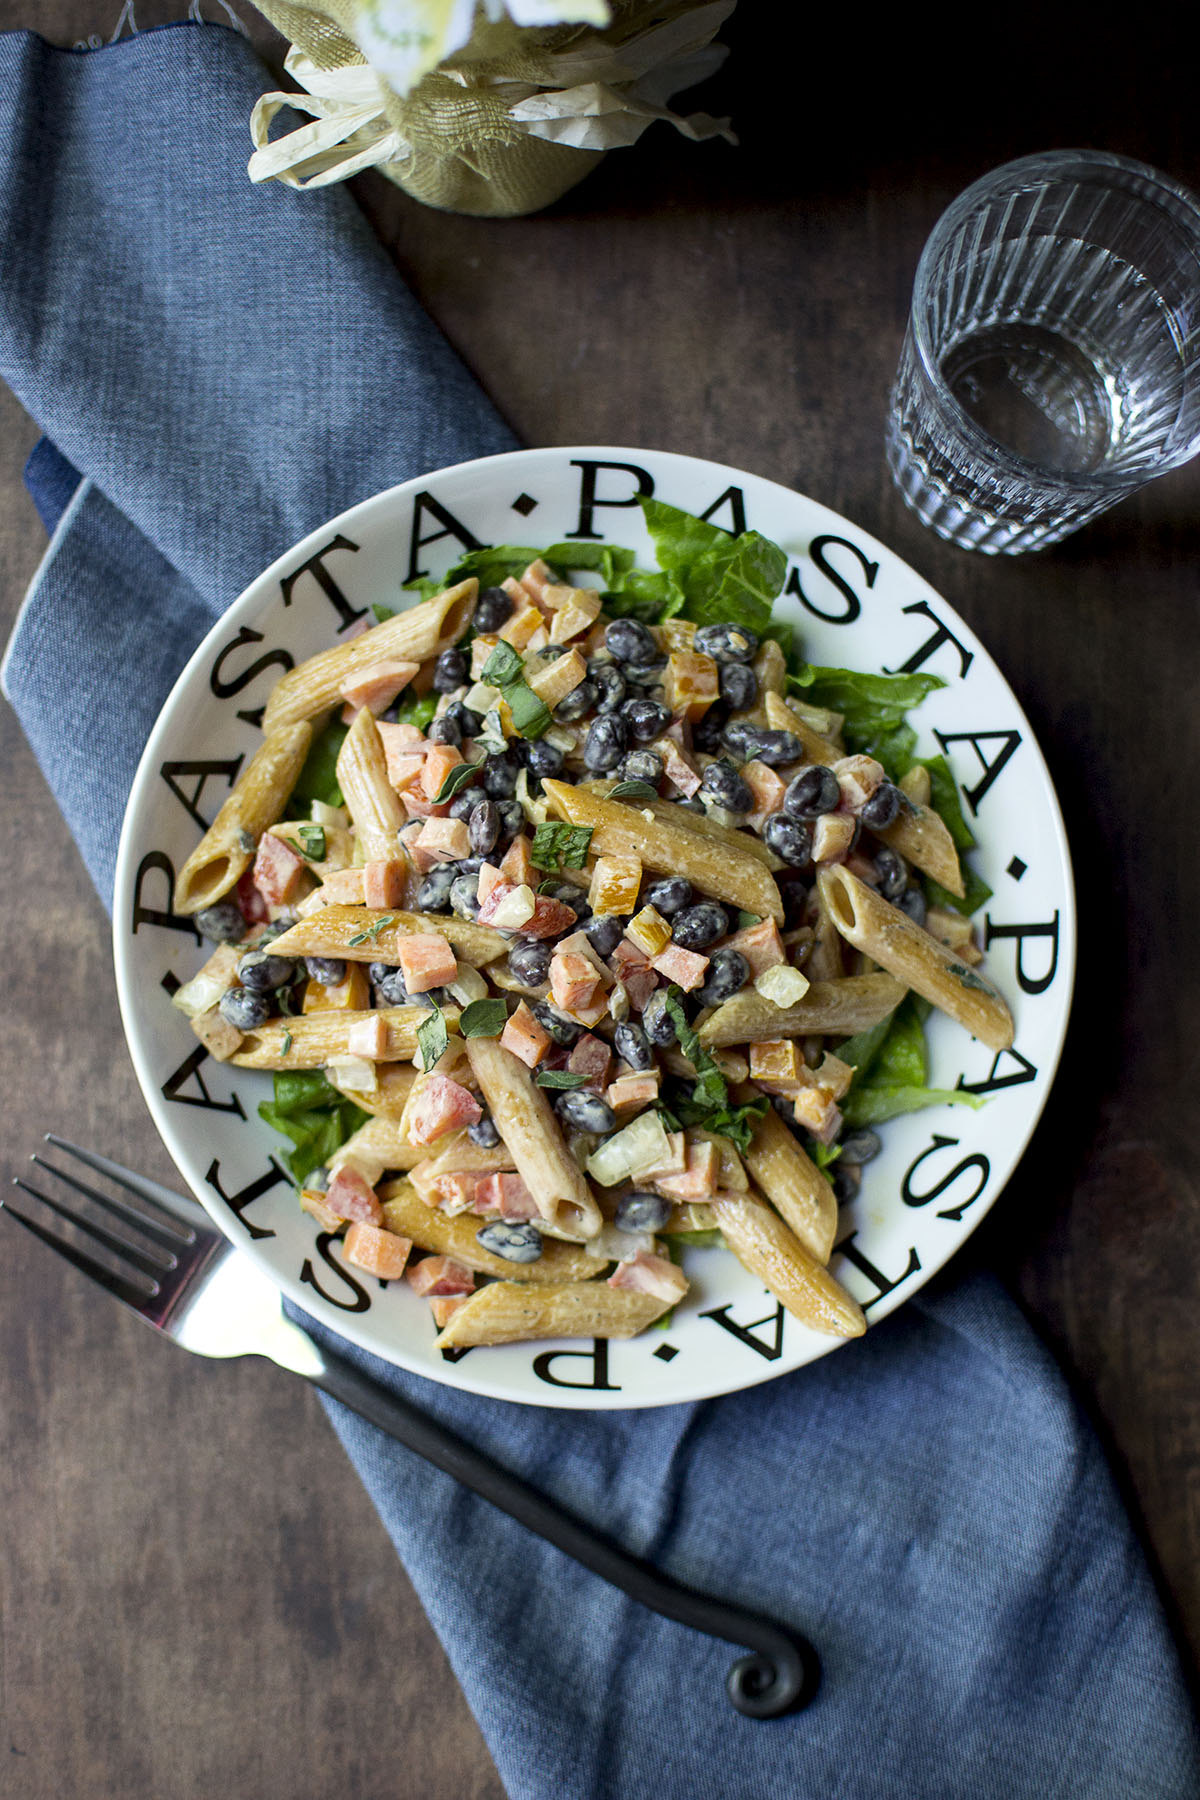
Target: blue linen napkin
<point x="928" y="1504"/>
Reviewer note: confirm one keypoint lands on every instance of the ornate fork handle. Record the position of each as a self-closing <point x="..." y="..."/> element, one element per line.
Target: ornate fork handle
<point x="780" y="1675"/>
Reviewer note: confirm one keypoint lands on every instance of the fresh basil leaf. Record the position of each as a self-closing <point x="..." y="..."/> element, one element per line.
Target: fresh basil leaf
<point x="318" y="777"/>
<point x="976" y="893"/>
<point x="633" y="790"/>
<point x="384" y="613"/>
<point x="530" y="715"/>
<point x="492" y="739"/>
<point x="747" y="919"/>
<point x="311" y="843"/>
<point x="699" y="1240"/>
<point x="734" y="1122"/>
<point x="944" y="799"/>
<point x="560" y="846"/>
<point x="709" y="1090"/>
<point x="432" y="1039"/>
<point x="483" y="1018"/>
<point x="872" y="706"/>
<point x="873" y="1105"/>
<point x="418" y="710"/>
<point x="560" y="1078"/>
<point x="824" y="1155"/>
<point x="456" y="778"/>
<point x="502" y="666"/>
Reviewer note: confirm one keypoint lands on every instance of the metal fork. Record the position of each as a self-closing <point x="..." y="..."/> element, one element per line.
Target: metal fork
<point x="188" y="1281"/>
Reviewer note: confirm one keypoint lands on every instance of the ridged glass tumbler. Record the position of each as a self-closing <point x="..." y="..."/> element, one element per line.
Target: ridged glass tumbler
<point x="1052" y="360"/>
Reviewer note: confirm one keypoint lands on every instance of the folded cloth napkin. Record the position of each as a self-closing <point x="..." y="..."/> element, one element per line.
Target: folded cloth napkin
<point x="219" y="369"/>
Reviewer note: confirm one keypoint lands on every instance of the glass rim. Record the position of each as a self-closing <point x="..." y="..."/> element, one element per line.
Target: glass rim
<point x="1171" y="196"/>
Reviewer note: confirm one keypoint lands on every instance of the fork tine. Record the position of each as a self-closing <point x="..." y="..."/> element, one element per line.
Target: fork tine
<point x="153" y="1264"/>
<point x="172" y="1207"/>
<point x="171" y="1237"/>
<point x="124" y="1290"/>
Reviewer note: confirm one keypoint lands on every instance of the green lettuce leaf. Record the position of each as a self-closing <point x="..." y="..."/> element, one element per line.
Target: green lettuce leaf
<point x="873" y="706"/>
<point x="309" y="1110"/>
<point x="318" y="777"/>
<point x="722" y="577"/>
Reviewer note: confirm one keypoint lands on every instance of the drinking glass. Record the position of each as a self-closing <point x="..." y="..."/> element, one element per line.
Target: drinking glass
<point x="1052" y="360"/>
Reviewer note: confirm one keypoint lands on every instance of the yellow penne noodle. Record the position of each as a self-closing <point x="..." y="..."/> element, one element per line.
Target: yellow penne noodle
<point x="371" y="800"/>
<point x="783" y="717"/>
<point x="762" y="1242"/>
<point x="309" y="1040"/>
<point x="724" y="869"/>
<point x="793" y="1184"/>
<point x="711" y="830"/>
<point x="830" y="1008"/>
<point x="887" y="935"/>
<point x="382" y="1143"/>
<point x="227" y="848"/>
<point x="412" y="636"/>
<point x="510" y="1312"/>
<point x="920" y="835"/>
<point x="456" y="1235"/>
<point x="366" y="934"/>
<point x="388" y="1097"/>
<point x="531" y="1132"/>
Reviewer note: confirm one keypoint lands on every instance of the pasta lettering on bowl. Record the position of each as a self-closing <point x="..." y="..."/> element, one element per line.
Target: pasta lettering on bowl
<point x="581" y="922"/>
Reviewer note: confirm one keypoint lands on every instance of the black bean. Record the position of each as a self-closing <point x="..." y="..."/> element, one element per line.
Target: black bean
<point x="469" y="722"/>
<point x="845" y="1182"/>
<point x="529" y="962"/>
<point x="609" y="684"/>
<point x="657" y="1022"/>
<point x="577" y="703"/>
<point x="642" y="765"/>
<point x="692" y="806"/>
<point x="449" y="671"/>
<point x="512" y="818"/>
<point x="727" y="974"/>
<point x="708" y="733"/>
<point x="515" y="1243"/>
<point x="444" y="730"/>
<point x="670" y="894"/>
<point x="647" y="719"/>
<point x="645" y="675"/>
<point x="642" y="1212"/>
<point x="542" y="759"/>
<point x="912" y="902"/>
<point x="606" y="742"/>
<point x="329" y="971"/>
<point x="262" y="972"/>
<point x="243" y="1008"/>
<point x="725" y="786"/>
<point x="433" y="895"/>
<point x="775" y="748"/>
<point x="883" y="807"/>
<point x="484" y="1132"/>
<point x="814" y="791"/>
<point x="491" y="610"/>
<point x="632" y="1046"/>
<point x="739" y="685"/>
<point x="391" y="991"/>
<point x="222" y="923"/>
<point x="564" y="1031"/>
<point x="892" y="872"/>
<point x="483" y="827"/>
<point x="628" y="640"/>
<point x="500" y="773"/>
<point x="734" y="736"/>
<point x="788" y="838"/>
<point x="859" y="1147"/>
<point x="794" y="896"/>
<point x="464" y="896"/>
<point x="696" y="927"/>
<point x="727" y="642"/>
<point x="469" y="865"/>
<point x="551" y="652"/>
<point x="605" y="933"/>
<point x="581" y="1111"/>
<point x="379" y="971"/>
<point x="463" y="805"/>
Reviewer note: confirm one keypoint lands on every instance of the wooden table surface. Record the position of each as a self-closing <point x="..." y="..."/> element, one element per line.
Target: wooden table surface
<point x="196" y="1596"/>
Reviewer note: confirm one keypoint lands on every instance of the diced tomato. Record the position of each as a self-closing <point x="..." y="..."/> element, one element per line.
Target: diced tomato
<point x="650" y="1274"/>
<point x="590" y="1057"/>
<point x="442" y="1105"/>
<point x="506" y="1193"/>
<point x="760" y="944"/>
<point x="573" y="981"/>
<point x="549" y="917"/>
<point x="351" y="1196"/>
<point x="525" y="1037"/>
<point x="684" y="967"/>
<point x="451" y="1193"/>
<point x="379" y="1252"/>
<point x="440" y="1275"/>
<point x="632" y="968"/>
<point x="280" y="873"/>
<point x="427" y="961"/>
<point x="251" y="902"/>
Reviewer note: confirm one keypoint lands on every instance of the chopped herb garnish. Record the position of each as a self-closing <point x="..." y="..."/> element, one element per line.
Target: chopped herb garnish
<point x="484" y="1018"/>
<point x="503" y="666"/>
<point x="432" y="1039"/>
<point x="560" y="1078"/>
<point x="383" y="613"/>
<point x="312" y="842"/>
<point x="560" y="846"/>
<point x="710" y="1091"/>
<point x="492" y="739"/>
<point x="287" y="1041"/>
<point x="746" y="919"/>
<point x="371" y="934"/>
<point x="633" y="790"/>
<point x="530" y="716"/>
<point x="457" y="778"/>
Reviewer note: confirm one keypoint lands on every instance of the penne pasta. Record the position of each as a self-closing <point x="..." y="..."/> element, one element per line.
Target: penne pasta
<point x="762" y="1242"/>
<point x="721" y="868"/>
<point x="781" y="716"/>
<point x="792" y="1182"/>
<point x="454" y="1235"/>
<point x="887" y="935"/>
<point x="309" y="1040"/>
<point x="510" y="1312"/>
<point x="227" y="848"/>
<point x="921" y="836"/>
<point x="389" y="1096"/>
<point x="698" y="823"/>
<point x="834" y="1008"/>
<point x="546" y="1166"/>
<point x="382" y="1143"/>
<point x="365" y="934"/>
<point x="411" y="636"/>
<point x="371" y="800"/>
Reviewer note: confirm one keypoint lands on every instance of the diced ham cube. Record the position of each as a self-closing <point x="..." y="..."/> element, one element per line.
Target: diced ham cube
<point x="678" y="769"/>
<point x="253" y="905"/>
<point x="573" y="981"/>
<point x="439" y="761"/>
<point x="507" y="1194"/>
<point x="440" y="1275"/>
<point x="450" y="1193"/>
<point x="376" y="686"/>
<point x="700" y="1177"/>
<point x="818" y="1112"/>
<point x="684" y="967"/>
<point x="427" y="961"/>
<point x="343" y="887"/>
<point x="760" y="944"/>
<point x="548" y="919"/>
<point x="590" y="1057"/>
<point x="379" y="1252"/>
<point x="368" y="1037"/>
<point x="768" y="789"/>
<point x="314" y="1203"/>
<point x="518" y="865"/>
<point x="408" y="835"/>
<point x="489" y="875"/>
<point x="629" y="1093"/>
<point x="444" y="1306"/>
<point x="383" y="883"/>
<point x="650" y="1274"/>
<point x="525" y="1037"/>
<point x="351" y="1196"/>
<point x="632" y="968"/>
<point x="280" y="873"/>
<point x="442" y="840"/>
<point x="443" y="1105"/>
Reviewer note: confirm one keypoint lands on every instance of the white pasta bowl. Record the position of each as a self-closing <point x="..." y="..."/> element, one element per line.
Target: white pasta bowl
<point x="855" y="605"/>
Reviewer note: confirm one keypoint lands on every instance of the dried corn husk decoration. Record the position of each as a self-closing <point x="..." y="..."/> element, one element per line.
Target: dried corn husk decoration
<point x="478" y="113"/>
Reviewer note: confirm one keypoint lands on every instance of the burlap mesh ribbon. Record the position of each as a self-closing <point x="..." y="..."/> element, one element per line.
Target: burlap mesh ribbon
<point x="506" y="122"/>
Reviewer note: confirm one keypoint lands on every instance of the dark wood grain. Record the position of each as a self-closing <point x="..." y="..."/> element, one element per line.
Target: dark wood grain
<point x="197" y="1596"/>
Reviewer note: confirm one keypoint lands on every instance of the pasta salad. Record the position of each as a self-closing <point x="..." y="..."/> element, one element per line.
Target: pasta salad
<point x="582" y="923"/>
